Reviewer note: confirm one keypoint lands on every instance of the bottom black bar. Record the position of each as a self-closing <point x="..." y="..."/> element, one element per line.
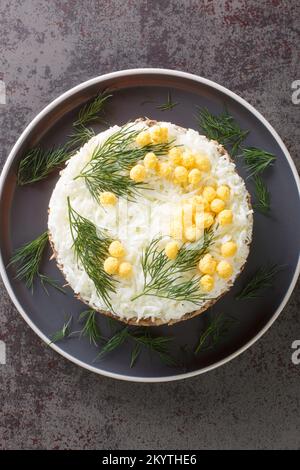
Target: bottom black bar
<point x="136" y="458"/>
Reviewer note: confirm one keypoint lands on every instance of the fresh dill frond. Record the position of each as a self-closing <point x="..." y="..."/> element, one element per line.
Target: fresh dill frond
<point x="222" y="128"/>
<point x="139" y="338"/>
<point x="119" y="148"/>
<point x="262" y="279"/>
<point x="115" y="145"/>
<point x="105" y="176"/>
<point x="182" y="291"/>
<point x="190" y="253"/>
<point x="168" y="105"/>
<point x="92" y="111"/>
<point x="28" y="257"/>
<point x="157" y="344"/>
<point x="63" y="333"/>
<point x="142" y="338"/>
<point x="257" y="160"/>
<point x="163" y="277"/>
<point x="91" y="248"/>
<point x="262" y="203"/>
<point x="106" y="171"/>
<point x="80" y="136"/>
<point x="27" y="260"/>
<point x="214" y="333"/>
<point x="46" y="280"/>
<point x="114" y="342"/>
<point x="38" y="164"/>
<point x="91" y="328"/>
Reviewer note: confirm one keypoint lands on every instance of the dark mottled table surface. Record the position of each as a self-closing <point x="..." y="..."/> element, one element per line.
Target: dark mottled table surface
<point x="248" y="46"/>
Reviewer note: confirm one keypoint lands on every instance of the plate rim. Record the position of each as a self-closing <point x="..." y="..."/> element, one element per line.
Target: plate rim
<point x="116" y="75"/>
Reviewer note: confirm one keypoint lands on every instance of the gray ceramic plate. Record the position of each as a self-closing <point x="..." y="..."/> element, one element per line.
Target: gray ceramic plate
<point x="23" y="215"/>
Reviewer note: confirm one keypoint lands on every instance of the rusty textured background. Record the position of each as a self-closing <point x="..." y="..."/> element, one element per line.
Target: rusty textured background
<point x="250" y="47"/>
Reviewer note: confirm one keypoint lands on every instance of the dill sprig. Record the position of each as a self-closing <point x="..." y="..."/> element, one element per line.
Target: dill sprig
<point x="189" y="254"/>
<point x="80" y="136"/>
<point x="257" y="160"/>
<point x="168" y="105"/>
<point x="216" y="330"/>
<point x="27" y="260"/>
<point x="163" y="277"/>
<point x="63" y="333"/>
<point x="39" y="163"/>
<point x="106" y="176"/>
<point x="114" y="342"/>
<point x="262" y="203"/>
<point x="141" y="338"/>
<point x="261" y="280"/>
<point x="46" y="280"/>
<point x="91" y="248"/>
<point x="119" y="148"/>
<point x="91" y="328"/>
<point x="222" y="128"/>
<point x="109" y="161"/>
<point x="92" y="111"/>
<point x="156" y="344"/>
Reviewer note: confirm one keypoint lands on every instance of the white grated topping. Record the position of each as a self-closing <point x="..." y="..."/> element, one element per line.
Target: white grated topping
<point x="146" y="218"/>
